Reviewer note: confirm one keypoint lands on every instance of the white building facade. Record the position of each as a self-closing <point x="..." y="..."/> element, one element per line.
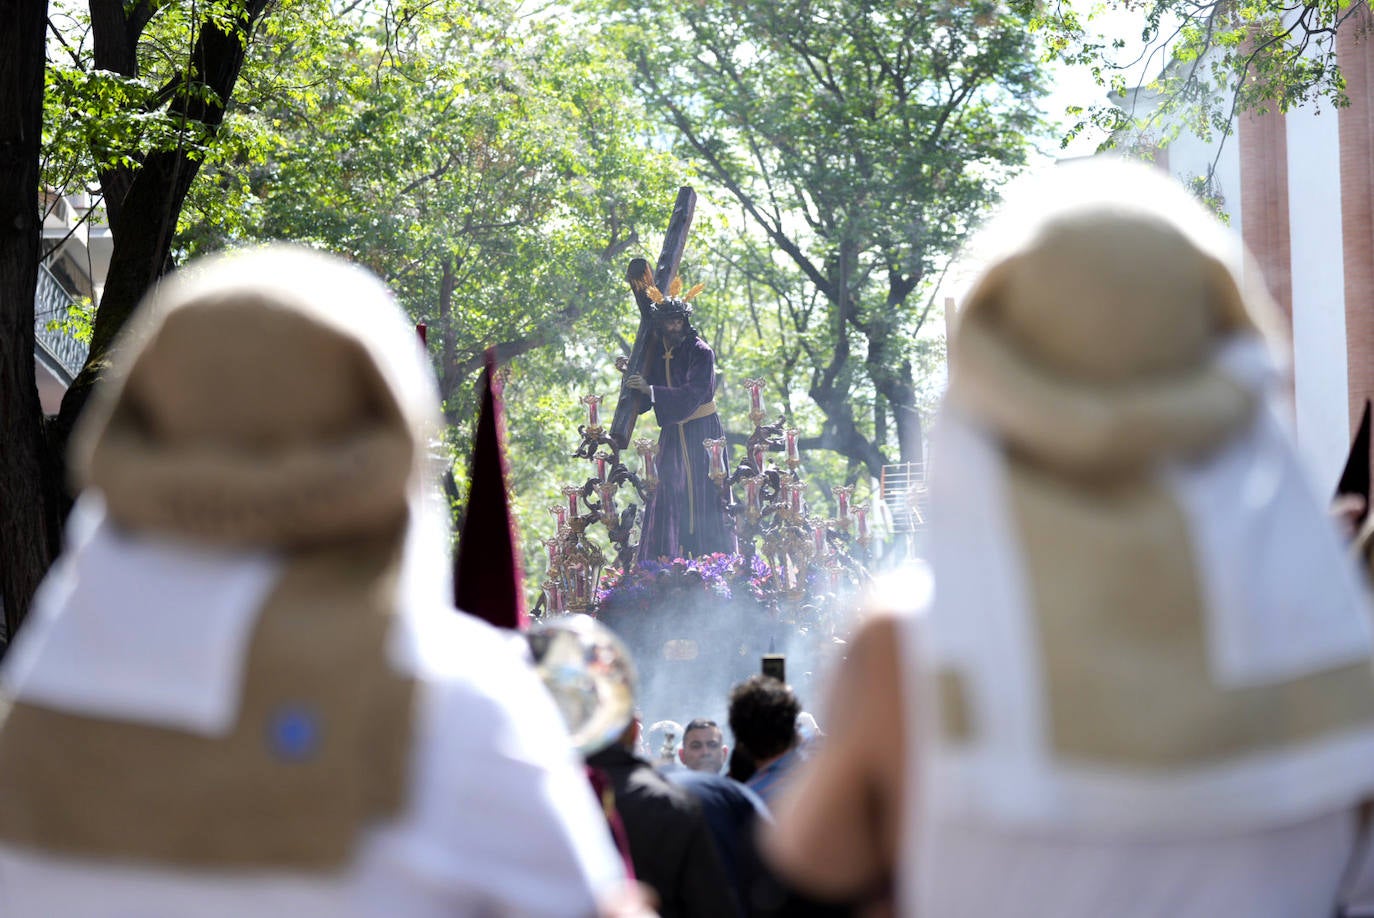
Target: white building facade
<point x="1299" y="189"/>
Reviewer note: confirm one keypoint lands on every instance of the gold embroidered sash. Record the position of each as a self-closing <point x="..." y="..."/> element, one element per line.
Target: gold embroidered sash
<point x="705" y="411"/>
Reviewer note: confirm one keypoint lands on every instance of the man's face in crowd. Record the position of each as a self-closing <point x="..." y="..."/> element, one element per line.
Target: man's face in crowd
<point x="703" y="750"/>
<point x="674" y="329"/>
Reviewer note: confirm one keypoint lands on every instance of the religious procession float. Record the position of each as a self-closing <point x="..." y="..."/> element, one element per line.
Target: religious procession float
<point x="786" y="581"/>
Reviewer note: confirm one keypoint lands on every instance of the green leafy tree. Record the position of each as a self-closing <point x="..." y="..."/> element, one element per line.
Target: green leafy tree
<point x="136" y="92"/>
<point x="860" y="141"/>
<point x="1197" y="64"/>
<point x="490" y="167"/>
<point x="486" y="161"/>
<point x="165" y="75"/>
<point x="486" y="166"/>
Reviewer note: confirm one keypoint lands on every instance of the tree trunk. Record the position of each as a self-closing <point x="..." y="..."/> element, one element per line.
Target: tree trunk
<point x="899" y="389"/>
<point x="911" y="433"/>
<point x="892" y="375"/>
<point x="843" y="434"/>
<point x="28" y="527"/>
<point x="448" y="347"/>
<point x="880" y="421"/>
<point x="143" y="221"/>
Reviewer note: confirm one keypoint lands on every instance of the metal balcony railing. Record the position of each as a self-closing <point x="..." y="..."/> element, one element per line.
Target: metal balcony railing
<point x="904" y="492"/>
<point x="51" y="303"/>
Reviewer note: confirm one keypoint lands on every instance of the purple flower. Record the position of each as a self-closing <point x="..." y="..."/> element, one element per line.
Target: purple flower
<point x="654" y="583"/>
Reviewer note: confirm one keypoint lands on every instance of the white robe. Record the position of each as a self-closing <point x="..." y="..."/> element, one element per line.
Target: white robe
<point x="499" y="820"/>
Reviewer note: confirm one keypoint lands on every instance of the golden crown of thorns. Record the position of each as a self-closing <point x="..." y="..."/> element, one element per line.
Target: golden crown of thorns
<point x="673" y="290"/>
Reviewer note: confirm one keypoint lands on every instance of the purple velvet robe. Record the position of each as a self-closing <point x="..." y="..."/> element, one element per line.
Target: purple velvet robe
<point x="685" y="516"/>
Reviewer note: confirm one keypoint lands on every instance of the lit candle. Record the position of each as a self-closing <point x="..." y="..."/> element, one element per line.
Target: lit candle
<point x="554" y="547"/>
<point x="716" y="450"/>
<point x="572" y="492"/>
<point x="794" y="495"/>
<point x="560" y="516"/>
<point x="818" y="537"/>
<point x="600" y="468"/>
<point x="758" y="457"/>
<point x="751" y="492"/>
<point x="755" y="399"/>
<point x="593" y="403"/>
<point x="647" y="449"/>
<point x="842" y="498"/>
<point x="793" y="453"/>
<point x="861" y="521"/>
<point x="607" y="492"/>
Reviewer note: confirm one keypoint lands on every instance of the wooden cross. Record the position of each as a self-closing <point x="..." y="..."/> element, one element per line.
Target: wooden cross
<point x="646" y="352"/>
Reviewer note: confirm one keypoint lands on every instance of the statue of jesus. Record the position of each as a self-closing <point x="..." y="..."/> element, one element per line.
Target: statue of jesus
<point x="685" y="516"/>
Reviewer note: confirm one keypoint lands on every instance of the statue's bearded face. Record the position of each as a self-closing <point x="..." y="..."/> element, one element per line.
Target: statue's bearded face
<point x="674" y="329"/>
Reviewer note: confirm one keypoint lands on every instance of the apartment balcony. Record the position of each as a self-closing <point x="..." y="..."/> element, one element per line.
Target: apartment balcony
<point x="57" y="354"/>
<point x="76" y="258"/>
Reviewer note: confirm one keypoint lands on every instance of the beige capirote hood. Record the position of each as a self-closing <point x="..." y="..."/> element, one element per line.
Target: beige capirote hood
<point x="270" y="403"/>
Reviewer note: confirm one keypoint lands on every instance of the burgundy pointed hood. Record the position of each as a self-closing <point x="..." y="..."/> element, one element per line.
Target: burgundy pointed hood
<point x="487" y="574"/>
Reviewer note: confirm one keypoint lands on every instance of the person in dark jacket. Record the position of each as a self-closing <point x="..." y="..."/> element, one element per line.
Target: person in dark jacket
<point x="732" y="812"/>
<point x="670" y="842"/>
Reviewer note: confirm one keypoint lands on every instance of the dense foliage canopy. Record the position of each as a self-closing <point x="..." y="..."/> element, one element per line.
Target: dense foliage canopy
<point x="859" y="140"/>
<point x="497" y="163"/>
<point x="1201" y="62"/>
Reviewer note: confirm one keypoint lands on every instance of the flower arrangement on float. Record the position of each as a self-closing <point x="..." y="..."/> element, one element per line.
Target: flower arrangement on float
<point x="651" y="585"/>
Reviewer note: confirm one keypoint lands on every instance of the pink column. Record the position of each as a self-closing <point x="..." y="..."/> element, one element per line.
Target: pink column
<point x="1356" y="55"/>
<point x="1263" y="144"/>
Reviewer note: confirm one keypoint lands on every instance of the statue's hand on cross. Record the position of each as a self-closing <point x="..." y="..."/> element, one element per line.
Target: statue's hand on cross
<point x="636" y="382"/>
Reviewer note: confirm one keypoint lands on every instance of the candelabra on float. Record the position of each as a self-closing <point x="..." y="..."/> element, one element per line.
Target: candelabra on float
<point x="772" y="521"/>
<point x="575" y="560"/>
